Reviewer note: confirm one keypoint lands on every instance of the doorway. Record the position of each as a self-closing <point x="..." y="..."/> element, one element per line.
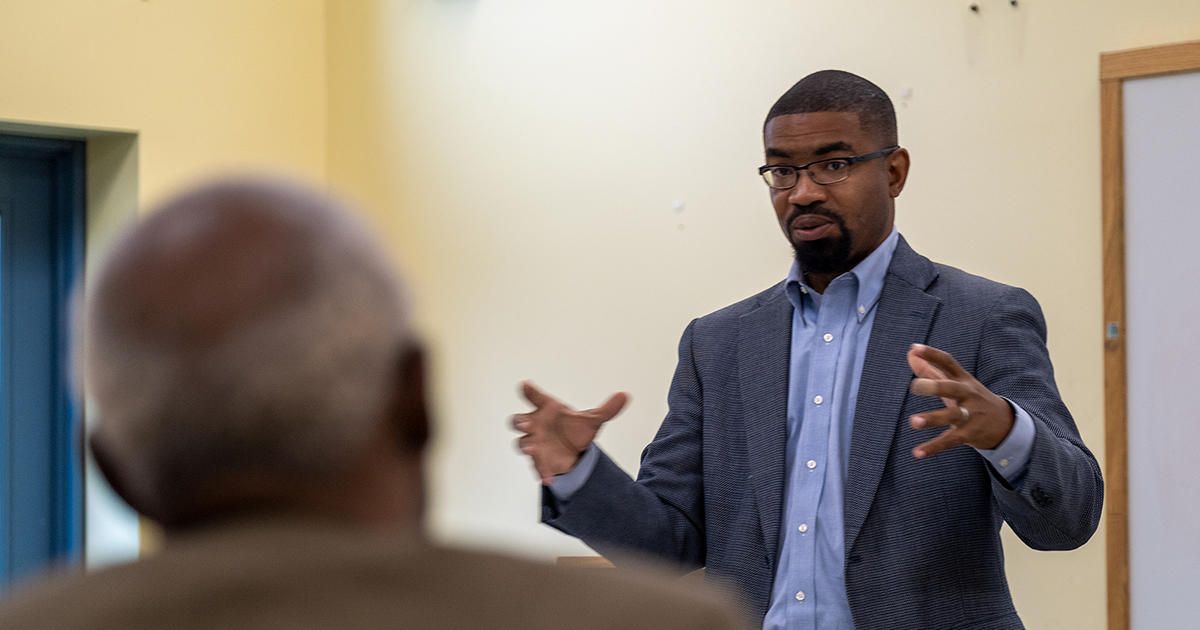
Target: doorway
<point x="1150" y="99"/>
<point x="41" y="258"/>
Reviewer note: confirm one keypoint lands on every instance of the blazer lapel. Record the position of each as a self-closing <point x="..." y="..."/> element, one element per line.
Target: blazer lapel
<point x="764" y="347"/>
<point x="904" y="316"/>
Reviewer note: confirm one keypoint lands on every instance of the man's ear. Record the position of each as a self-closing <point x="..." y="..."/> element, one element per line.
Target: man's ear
<point x="112" y="473"/>
<point x="410" y="410"/>
<point x="897" y="167"/>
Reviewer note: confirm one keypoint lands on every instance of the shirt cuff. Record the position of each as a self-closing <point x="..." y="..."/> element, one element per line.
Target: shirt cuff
<point x="565" y="486"/>
<point x="1011" y="457"/>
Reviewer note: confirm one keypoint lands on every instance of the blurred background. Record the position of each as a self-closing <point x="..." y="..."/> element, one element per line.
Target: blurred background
<point x="566" y="184"/>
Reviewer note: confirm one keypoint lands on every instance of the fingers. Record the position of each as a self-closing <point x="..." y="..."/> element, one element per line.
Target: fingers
<point x="524" y="422"/>
<point x="554" y="434"/>
<point x="545" y="466"/>
<point x="954" y="390"/>
<point x="932" y="357"/>
<point x="990" y="417"/>
<point x="948" y="417"/>
<point x="541" y="400"/>
<point x="948" y="439"/>
<point x="534" y="395"/>
<point x="920" y="366"/>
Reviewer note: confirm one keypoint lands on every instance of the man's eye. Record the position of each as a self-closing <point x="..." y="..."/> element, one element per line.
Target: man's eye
<point x="782" y="171"/>
<point x="834" y="166"/>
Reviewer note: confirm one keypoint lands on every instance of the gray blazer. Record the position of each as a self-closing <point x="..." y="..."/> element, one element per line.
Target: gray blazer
<point x="922" y="536"/>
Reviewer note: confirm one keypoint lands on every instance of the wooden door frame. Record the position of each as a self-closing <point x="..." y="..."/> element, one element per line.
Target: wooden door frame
<point x="1115" y="69"/>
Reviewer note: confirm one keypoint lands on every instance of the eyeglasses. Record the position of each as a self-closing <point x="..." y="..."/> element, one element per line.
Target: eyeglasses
<point x="823" y="172"/>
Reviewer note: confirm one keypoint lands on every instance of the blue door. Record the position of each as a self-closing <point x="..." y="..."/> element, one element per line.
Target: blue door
<point x="41" y="256"/>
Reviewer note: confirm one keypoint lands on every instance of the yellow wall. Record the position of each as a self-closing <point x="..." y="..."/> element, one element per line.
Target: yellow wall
<point x="207" y="85"/>
<point x="524" y="160"/>
<point x="527" y="158"/>
<point x="165" y="92"/>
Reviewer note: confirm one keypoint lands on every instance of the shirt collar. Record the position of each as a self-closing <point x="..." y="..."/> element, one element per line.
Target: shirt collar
<point x="870" y="274"/>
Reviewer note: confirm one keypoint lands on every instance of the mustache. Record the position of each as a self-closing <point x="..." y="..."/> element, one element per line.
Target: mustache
<point x="814" y="209"/>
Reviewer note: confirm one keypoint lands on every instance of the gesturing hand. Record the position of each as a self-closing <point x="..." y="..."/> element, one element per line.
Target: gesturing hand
<point x="975" y="416"/>
<point x="555" y="434"/>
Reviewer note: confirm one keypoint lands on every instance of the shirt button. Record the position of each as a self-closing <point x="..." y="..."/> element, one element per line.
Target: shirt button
<point x="1004" y="462"/>
<point x="812" y="464"/>
<point x="800" y="596"/>
<point x="818" y="400"/>
<point x="828" y="337"/>
<point x="862" y="309"/>
<point x="803" y="290"/>
<point x="803" y="527"/>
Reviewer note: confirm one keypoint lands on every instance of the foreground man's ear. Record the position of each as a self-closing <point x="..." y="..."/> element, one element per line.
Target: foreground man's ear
<point x="409" y="412"/>
<point x="116" y="480"/>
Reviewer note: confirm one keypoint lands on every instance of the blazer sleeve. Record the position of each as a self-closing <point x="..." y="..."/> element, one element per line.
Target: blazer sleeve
<point x="1056" y="506"/>
<point x="661" y="514"/>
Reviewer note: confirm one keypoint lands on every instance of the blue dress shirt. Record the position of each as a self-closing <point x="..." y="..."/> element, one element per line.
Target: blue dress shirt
<point x="830" y="333"/>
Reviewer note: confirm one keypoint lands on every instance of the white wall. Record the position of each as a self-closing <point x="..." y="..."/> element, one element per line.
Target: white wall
<point x="527" y="156"/>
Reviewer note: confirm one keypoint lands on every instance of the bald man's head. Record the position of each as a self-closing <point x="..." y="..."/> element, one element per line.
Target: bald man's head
<point x="209" y="264"/>
<point x="247" y="330"/>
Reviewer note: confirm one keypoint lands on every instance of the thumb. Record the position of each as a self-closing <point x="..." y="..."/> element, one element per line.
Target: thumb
<point x="611" y="407"/>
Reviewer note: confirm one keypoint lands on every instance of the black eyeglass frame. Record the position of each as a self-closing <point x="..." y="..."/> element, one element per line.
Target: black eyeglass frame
<point x="853" y="159"/>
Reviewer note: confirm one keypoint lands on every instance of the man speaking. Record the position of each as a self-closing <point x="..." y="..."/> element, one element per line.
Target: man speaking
<point x="800" y="461"/>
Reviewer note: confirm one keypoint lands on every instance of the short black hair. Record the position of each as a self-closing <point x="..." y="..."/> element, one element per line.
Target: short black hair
<point x="840" y="91"/>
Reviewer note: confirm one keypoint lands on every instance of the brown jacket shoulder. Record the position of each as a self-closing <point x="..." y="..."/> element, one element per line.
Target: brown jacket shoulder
<point x="261" y="576"/>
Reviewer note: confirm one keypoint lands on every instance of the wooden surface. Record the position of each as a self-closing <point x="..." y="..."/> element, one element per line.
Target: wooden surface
<point x="587" y="562"/>
<point x="1115" y="68"/>
<point x="1151" y="61"/>
<point x="1115" y="447"/>
<point x="692" y="579"/>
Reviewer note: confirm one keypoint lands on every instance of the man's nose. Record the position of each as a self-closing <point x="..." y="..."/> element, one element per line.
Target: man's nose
<point x="806" y="191"/>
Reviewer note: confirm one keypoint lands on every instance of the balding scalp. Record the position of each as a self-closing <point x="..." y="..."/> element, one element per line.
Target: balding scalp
<point x="248" y="326"/>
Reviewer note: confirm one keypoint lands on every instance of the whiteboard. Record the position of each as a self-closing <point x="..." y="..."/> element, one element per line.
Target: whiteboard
<point x="1162" y="267"/>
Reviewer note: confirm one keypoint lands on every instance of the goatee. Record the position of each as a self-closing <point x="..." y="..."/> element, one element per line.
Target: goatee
<point x="823" y="256"/>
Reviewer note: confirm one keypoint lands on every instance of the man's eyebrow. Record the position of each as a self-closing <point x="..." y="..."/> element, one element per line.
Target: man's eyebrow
<point x="831" y="147"/>
<point x="819" y="151"/>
